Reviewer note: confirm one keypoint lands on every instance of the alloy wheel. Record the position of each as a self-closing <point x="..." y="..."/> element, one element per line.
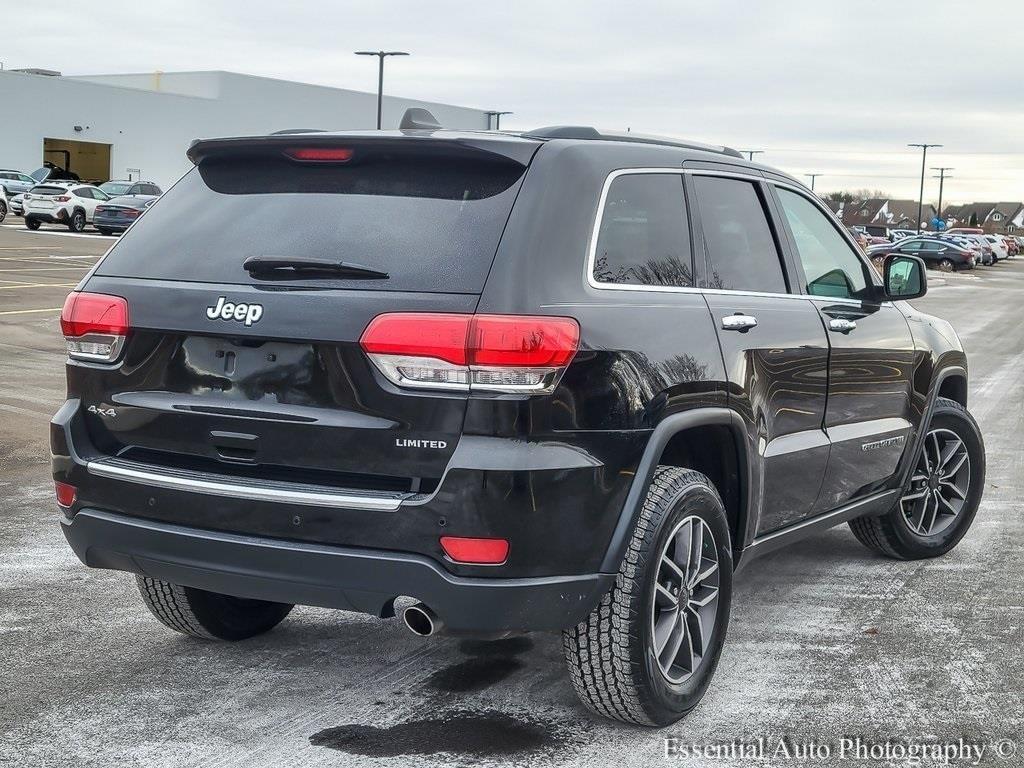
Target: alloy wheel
<point x="685" y="603"/>
<point x="940" y="483"/>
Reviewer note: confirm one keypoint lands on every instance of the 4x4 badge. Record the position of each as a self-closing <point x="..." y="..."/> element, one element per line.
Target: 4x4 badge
<point x="242" y="313"/>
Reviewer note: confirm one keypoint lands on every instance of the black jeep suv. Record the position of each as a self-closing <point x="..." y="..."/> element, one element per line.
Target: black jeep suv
<point x="559" y="380"/>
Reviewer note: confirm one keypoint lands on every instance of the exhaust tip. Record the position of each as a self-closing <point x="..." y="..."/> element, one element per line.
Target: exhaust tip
<point x="421" y="620"/>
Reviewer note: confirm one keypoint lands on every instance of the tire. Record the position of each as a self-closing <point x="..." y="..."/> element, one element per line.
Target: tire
<point x="611" y="655"/>
<point x="3" y="211"/>
<point x="946" y="265"/>
<point x="894" y="534"/>
<point x="77" y="221"/>
<point x="105" y="231"/>
<point x="32" y="223"/>
<point x="209" y="615"/>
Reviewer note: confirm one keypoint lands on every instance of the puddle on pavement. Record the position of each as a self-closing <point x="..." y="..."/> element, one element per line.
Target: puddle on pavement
<point x="490" y="662"/>
<point x="466" y="733"/>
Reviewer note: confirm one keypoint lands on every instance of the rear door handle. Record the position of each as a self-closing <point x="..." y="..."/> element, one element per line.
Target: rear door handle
<point x="841" y="325"/>
<point x="738" y="322"/>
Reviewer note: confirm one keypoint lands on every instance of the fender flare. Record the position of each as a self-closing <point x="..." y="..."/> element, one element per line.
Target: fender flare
<point x="907" y="462"/>
<point x="665" y="430"/>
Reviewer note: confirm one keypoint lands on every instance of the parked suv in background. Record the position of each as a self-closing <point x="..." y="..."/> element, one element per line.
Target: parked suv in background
<point x="560" y="380"/>
<point x="999" y="249"/>
<point x="62" y="202"/>
<point x="129" y="188"/>
<point x="16" y="182"/>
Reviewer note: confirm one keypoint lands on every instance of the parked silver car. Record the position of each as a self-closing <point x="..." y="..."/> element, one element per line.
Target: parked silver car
<point x="16" y="182"/>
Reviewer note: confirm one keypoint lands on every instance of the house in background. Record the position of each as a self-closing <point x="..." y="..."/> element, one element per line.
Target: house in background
<point x="1003" y="218"/>
<point x="880" y="215"/>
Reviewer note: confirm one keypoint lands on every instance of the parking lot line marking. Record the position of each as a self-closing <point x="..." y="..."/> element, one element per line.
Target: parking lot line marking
<point x="29" y="311"/>
<point x="87" y="235"/>
<point x="25" y="411"/>
<point x="74" y="267"/>
<point x="38" y="285"/>
<point x="28" y="247"/>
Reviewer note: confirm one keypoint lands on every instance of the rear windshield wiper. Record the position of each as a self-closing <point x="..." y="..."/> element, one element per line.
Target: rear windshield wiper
<point x="285" y="266"/>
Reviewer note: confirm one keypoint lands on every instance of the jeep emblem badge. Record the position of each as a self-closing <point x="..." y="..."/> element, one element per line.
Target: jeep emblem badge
<point x="242" y="313"/>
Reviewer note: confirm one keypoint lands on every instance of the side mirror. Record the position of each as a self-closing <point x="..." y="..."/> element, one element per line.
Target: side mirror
<point x="904" y="277"/>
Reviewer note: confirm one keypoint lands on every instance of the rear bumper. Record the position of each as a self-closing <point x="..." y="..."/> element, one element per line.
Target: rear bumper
<point x="58" y="216"/>
<point x="333" y="577"/>
<point x="112" y="222"/>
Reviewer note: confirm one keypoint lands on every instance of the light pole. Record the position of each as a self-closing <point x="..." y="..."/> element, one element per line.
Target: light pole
<point x="497" y="118"/>
<point x="812" y="177"/>
<point x="920" y="199"/>
<point x="380" y="75"/>
<point x="942" y="180"/>
<point x="752" y="152"/>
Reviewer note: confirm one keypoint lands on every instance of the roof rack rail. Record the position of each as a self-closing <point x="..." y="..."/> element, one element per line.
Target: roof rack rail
<point x="586" y="132"/>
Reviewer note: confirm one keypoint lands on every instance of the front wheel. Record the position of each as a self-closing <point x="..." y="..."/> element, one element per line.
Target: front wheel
<point x="31" y="223"/>
<point x="942" y="496"/>
<point x="648" y="651"/>
<point x="3" y="211"/>
<point x="209" y="615"/>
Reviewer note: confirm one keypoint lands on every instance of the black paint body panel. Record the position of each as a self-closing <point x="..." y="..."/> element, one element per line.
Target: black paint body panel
<point x="561" y="476"/>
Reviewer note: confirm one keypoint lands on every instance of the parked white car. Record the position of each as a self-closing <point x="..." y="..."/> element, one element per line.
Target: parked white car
<point x="71" y="203"/>
<point x="899" y="234"/>
<point x="998" y="247"/>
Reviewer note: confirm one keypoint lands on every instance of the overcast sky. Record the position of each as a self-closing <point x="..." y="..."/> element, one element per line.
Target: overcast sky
<point x="837" y="88"/>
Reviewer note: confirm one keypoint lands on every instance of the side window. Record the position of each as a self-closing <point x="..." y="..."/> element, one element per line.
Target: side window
<point x="911" y="247"/>
<point x="84" y="192"/>
<point x="741" y="252"/>
<point x="151" y="189"/>
<point x="645" y="237"/>
<point x="830" y="265"/>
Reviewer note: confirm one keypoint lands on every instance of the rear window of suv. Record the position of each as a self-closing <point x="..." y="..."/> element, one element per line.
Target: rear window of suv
<point x="430" y="218"/>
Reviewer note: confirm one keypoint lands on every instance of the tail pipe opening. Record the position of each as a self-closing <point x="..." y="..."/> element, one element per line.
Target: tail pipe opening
<point x="422" y="621"/>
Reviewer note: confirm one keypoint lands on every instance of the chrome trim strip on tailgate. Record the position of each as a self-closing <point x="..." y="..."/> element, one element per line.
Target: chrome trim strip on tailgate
<point x="256" y="491"/>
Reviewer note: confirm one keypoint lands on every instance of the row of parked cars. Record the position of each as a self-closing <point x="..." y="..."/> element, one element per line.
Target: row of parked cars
<point x="110" y="207"/>
<point x="953" y="249"/>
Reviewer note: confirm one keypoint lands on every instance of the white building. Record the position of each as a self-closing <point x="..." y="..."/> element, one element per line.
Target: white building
<point x="139" y="126"/>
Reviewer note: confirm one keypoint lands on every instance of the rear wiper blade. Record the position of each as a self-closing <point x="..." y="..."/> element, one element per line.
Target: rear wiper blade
<point x="282" y="266"/>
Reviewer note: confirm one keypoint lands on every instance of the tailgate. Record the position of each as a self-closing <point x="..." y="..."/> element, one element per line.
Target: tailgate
<point x="261" y="375"/>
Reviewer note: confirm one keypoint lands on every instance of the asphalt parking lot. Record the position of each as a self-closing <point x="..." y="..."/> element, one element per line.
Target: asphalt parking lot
<point x="826" y="641"/>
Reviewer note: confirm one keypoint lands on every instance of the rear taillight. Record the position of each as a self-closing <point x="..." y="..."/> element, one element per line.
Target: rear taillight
<point x="94" y="326"/>
<point x="65" y="493"/>
<point x="62" y="198"/>
<point x="472" y="353"/>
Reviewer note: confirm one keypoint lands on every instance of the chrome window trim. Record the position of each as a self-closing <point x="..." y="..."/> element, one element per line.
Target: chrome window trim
<point x="595" y="231"/>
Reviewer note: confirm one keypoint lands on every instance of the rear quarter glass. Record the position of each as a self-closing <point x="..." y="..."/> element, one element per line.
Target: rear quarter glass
<point x="432" y="221"/>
